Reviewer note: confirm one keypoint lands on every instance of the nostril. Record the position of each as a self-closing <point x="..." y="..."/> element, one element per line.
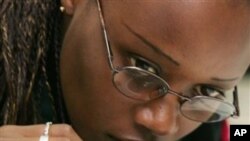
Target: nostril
<point x="165" y="129"/>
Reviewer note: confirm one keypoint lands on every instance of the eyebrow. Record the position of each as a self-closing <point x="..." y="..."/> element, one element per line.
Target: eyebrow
<point x="224" y="79"/>
<point x="168" y="57"/>
<point x="152" y="46"/>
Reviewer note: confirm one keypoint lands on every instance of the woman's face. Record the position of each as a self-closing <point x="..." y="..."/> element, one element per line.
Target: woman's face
<point x="193" y="44"/>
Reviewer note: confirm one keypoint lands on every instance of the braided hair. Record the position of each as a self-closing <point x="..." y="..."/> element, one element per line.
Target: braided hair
<point x="29" y="54"/>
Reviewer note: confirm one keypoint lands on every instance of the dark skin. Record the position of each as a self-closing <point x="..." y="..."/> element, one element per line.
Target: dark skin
<point x="191" y="43"/>
<point x="196" y="35"/>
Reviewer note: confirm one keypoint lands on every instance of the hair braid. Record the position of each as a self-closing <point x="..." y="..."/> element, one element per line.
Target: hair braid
<point x="26" y="36"/>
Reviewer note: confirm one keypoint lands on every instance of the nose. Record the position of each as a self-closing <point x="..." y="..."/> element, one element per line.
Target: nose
<point x="159" y="116"/>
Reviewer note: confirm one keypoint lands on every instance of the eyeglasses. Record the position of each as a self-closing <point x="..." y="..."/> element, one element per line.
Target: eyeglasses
<point x="140" y="84"/>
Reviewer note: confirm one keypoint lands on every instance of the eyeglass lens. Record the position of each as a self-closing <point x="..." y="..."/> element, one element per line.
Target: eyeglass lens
<point x="142" y="85"/>
<point x="139" y="85"/>
<point x="206" y="109"/>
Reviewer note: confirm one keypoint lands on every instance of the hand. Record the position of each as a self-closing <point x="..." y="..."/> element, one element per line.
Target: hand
<point x="57" y="132"/>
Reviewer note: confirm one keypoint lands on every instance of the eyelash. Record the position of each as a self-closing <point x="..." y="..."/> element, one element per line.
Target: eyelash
<point x="140" y="62"/>
<point x="204" y="91"/>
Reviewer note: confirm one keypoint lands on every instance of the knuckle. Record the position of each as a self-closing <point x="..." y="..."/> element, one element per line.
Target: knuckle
<point x="67" y="130"/>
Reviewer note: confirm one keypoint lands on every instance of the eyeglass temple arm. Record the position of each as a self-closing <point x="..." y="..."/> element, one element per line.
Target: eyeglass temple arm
<point x="236" y="102"/>
<point x="109" y="51"/>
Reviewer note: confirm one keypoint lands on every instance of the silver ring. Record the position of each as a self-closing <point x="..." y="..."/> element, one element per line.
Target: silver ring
<point x="44" y="138"/>
<point x="45" y="135"/>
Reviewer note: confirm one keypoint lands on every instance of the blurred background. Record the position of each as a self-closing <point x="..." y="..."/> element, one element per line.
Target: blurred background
<point x="244" y="101"/>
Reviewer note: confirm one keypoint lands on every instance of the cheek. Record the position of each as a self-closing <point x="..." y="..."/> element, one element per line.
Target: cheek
<point x="92" y="102"/>
<point x="186" y="126"/>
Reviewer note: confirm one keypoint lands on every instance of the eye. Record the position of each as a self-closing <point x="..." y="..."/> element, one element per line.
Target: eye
<point x="143" y="64"/>
<point x="209" y="91"/>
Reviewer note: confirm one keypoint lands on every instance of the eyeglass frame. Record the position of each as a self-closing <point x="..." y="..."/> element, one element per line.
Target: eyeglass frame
<point x="114" y="70"/>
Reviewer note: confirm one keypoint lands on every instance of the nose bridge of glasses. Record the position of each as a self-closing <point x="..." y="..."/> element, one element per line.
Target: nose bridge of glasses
<point x="178" y="95"/>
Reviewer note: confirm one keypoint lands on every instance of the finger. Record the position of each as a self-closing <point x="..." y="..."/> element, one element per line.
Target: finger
<point x="37" y="139"/>
<point x="21" y="131"/>
<point x="64" y="130"/>
<point x="55" y="130"/>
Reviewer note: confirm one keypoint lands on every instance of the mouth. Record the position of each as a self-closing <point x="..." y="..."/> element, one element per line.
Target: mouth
<point x="114" y="138"/>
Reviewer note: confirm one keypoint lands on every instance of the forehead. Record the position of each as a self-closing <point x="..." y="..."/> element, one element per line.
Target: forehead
<point x="189" y="30"/>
